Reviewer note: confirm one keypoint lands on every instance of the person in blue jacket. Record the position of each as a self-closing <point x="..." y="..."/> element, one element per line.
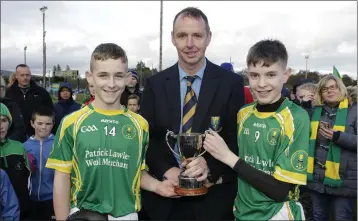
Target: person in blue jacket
<point x="65" y="104"/>
<point x="41" y="182"/>
<point x="285" y="91"/>
<point x="9" y="205"/>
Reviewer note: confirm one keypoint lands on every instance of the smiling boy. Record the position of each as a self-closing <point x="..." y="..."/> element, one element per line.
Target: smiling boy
<point x="273" y="140"/>
<point x="99" y="151"/>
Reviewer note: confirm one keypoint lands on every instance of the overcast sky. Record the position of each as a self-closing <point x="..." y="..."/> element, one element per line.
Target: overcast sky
<point x="327" y="31"/>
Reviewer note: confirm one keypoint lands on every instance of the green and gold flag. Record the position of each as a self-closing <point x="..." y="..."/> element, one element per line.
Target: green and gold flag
<point x="336" y="73"/>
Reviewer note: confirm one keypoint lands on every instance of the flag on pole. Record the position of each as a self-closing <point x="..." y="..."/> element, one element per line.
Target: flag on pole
<point x="336" y="73"/>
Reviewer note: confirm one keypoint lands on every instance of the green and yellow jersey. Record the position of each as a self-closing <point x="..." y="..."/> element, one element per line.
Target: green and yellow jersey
<point x="104" y="151"/>
<point x="275" y="143"/>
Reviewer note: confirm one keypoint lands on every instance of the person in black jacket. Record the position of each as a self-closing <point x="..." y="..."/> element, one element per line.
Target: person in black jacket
<point x="27" y="95"/>
<point x="218" y="93"/>
<point x="131" y="88"/>
<point x="17" y="131"/>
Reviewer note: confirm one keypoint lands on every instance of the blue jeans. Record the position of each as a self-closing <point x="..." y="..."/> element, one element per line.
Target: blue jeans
<point x="322" y="205"/>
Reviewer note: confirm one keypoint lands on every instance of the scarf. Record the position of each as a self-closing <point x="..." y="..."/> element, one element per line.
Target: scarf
<point x="332" y="164"/>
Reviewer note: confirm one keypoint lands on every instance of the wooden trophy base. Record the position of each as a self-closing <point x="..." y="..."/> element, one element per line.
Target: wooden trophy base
<point x="190" y="192"/>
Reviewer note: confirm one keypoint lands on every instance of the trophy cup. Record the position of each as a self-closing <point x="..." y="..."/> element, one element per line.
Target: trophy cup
<point x="190" y="146"/>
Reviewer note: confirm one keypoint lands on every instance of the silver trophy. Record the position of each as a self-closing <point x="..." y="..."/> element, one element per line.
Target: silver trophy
<point x="190" y="146"/>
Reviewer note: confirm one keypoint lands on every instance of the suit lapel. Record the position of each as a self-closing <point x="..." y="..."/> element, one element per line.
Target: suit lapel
<point x="172" y="89"/>
<point x="206" y="95"/>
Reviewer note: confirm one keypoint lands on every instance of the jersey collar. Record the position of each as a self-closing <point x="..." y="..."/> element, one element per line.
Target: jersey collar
<point x="108" y="112"/>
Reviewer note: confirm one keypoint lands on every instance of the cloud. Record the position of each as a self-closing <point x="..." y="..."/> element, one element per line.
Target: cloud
<point x="327" y="31"/>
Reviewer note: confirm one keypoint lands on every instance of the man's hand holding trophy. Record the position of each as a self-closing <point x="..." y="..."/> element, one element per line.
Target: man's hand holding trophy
<point x="192" y="179"/>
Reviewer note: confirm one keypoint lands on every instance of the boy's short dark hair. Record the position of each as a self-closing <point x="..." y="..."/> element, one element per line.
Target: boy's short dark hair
<point x="268" y="52"/>
<point x="42" y="111"/>
<point x="134" y="96"/>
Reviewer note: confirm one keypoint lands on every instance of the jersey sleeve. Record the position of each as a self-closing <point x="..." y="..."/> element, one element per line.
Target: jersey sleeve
<point x="60" y="157"/>
<point x="291" y="161"/>
<point x="145" y="147"/>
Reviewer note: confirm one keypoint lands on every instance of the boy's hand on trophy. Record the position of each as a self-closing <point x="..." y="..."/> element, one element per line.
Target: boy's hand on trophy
<point x="216" y="146"/>
<point x="172" y="174"/>
<point x="166" y="188"/>
<point x="196" y="167"/>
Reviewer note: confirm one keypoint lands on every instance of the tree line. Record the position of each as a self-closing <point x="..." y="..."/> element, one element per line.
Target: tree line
<point x="296" y="77"/>
<point x="57" y="68"/>
<point x="145" y="72"/>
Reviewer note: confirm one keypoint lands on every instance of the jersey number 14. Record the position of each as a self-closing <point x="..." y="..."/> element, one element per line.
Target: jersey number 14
<point x="111" y="132"/>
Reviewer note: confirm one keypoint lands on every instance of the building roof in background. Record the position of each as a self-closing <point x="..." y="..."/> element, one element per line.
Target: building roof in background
<point x="6" y="73"/>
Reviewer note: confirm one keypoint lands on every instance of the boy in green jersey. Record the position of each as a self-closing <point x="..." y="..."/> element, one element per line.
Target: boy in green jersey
<point x="99" y="150"/>
<point x="273" y="140"/>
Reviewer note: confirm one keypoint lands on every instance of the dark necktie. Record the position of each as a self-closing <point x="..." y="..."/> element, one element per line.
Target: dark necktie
<point x="189" y="107"/>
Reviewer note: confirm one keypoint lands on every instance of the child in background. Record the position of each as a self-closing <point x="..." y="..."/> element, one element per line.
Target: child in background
<point x="133" y="103"/>
<point x="65" y="105"/>
<point x="14" y="161"/>
<point x="89" y="93"/>
<point x="39" y="146"/>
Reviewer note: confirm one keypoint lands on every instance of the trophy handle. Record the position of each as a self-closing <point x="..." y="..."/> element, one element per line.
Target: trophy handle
<point x="206" y="132"/>
<point x="171" y="133"/>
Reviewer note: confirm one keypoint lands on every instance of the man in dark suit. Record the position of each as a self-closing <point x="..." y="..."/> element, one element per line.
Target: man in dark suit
<point x="213" y="91"/>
